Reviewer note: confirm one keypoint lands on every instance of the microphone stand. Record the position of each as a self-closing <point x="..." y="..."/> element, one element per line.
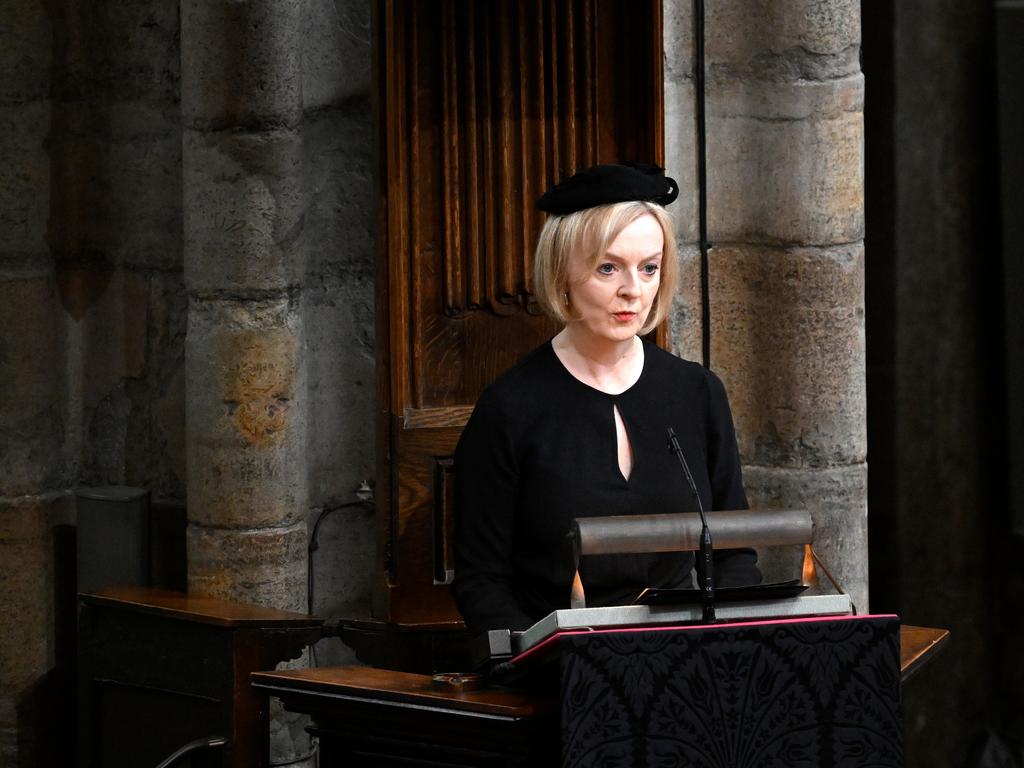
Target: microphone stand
<point x="705" y="571"/>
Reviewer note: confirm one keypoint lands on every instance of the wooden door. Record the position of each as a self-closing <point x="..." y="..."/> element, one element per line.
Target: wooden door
<point x="482" y="105"/>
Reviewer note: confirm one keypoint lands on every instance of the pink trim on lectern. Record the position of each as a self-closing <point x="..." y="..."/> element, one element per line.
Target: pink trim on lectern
<point x="683" y="627"/>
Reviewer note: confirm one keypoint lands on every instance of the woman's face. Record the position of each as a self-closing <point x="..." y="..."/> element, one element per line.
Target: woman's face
<point x="611" y="301"/>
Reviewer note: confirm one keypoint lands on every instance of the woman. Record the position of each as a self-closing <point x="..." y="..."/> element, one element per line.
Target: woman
<point x="578" y="427"/>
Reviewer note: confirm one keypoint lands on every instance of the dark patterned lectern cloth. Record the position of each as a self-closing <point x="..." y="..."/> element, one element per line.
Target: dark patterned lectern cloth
<point x="793" y="694"/>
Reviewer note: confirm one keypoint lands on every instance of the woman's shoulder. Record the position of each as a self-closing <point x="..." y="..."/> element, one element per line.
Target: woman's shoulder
<point x="535" y="365"/>
<point x="510" y="408"/>
<point x="681" y="376"/>
<point x="679" y="370"/>
<point x="522" y="384"/>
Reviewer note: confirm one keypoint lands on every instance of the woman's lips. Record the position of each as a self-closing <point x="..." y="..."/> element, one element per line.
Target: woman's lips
<point x="624" y="317"/>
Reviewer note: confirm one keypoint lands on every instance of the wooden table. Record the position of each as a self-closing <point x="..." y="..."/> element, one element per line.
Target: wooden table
<point x="159" y="669"/>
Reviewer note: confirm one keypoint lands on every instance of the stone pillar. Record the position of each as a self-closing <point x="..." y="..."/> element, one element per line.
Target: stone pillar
<point x="33" y="470"/>
<point x="245" y="370"/>
<point x="785" y="177"/>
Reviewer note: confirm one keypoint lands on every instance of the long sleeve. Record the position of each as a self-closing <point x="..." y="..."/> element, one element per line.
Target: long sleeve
<point x="486" y="492"/>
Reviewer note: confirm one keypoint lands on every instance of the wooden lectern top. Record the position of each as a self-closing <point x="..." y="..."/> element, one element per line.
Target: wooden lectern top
<point x="387" y="685"/>
<point x="918" y="645"/>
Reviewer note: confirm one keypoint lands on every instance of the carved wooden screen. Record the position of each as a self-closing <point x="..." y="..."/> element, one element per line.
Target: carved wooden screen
<point x="481" y="106"/>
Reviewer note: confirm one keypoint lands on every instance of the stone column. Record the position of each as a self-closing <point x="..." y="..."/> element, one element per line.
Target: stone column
<point x="245" y="382"/>
<point x="785" y="177"/>
<point x="33" y="469"/>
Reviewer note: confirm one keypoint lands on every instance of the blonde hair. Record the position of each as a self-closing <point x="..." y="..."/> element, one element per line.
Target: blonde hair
<point x="586" y="235"/>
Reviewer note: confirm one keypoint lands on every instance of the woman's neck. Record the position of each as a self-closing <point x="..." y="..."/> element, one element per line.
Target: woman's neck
<point x="610" y="366"/>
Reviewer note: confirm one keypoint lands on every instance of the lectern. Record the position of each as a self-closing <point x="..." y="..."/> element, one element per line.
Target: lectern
<point x="781" y="679"/>
<point x="797" y="692"/>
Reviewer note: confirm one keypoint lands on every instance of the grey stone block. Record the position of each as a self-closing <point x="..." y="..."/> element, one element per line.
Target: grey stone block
<point x="336" y="55"/>
<point x="107" y="348"/>
<point x="798" y="39"/>
<point x="338" y="168"/>
<point x="117" y="200"/>
<point x="793" y="182"/>
<point x="126" y="376"/>
<point x="24" y="177"/>
<point x="256" y="81"/>
<point x="243" y="211"/>
<point x="341" y="370"/>
<point x="681" y="157"/>
<point x="26" y="52"/>
<point x="788" y="340"/>
<point x="116" y="50"/>
<point x="110" y="309"/>
<point x="265" y="566"/>
<point x="247" y="410"/>
<point x="25" y="265"/>
<point x="686" y="310"/>
<point x="678" y="41"/>
<point x="761" y="100"/>
<point x="836" y="498"/>
<point x="26" y="589"/>
<point x="139" y="122"/>
<point x="32" y="389"/>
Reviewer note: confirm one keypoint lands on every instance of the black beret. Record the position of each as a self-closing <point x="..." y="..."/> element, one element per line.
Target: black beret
<point x="605" y="184"/>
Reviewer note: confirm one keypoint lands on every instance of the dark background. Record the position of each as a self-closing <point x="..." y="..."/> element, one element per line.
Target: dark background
<point x="944" y="152"/>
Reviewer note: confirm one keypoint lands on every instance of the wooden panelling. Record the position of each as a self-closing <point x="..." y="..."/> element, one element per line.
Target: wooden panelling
<point x="501" y="62"/>
<point x="481" y="106"/>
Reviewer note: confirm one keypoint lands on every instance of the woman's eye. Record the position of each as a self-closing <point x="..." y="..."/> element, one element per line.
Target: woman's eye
<point x="606" y="268"/>
<point x="649" y="269"/>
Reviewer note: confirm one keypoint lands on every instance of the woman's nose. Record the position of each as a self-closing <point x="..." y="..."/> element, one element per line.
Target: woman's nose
<point x="630" y="285"/>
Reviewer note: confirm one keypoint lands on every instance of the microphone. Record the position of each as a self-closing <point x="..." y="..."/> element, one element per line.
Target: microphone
<point x="705" y="570"/>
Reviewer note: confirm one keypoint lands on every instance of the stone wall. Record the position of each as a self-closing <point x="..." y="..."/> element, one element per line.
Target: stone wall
<point x="114" y="230"/>
<point x="92" y="317"/>
<point x="257" y="187"/>
<point x="784" y="98"/>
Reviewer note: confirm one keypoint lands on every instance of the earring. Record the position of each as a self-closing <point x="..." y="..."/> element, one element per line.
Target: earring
<point x="565" y="297"/>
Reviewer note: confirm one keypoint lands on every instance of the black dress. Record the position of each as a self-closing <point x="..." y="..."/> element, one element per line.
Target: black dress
<point x="540" y="450"/>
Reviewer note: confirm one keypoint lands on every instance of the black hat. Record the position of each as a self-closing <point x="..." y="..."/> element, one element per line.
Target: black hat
<point x="605" y="184"/>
